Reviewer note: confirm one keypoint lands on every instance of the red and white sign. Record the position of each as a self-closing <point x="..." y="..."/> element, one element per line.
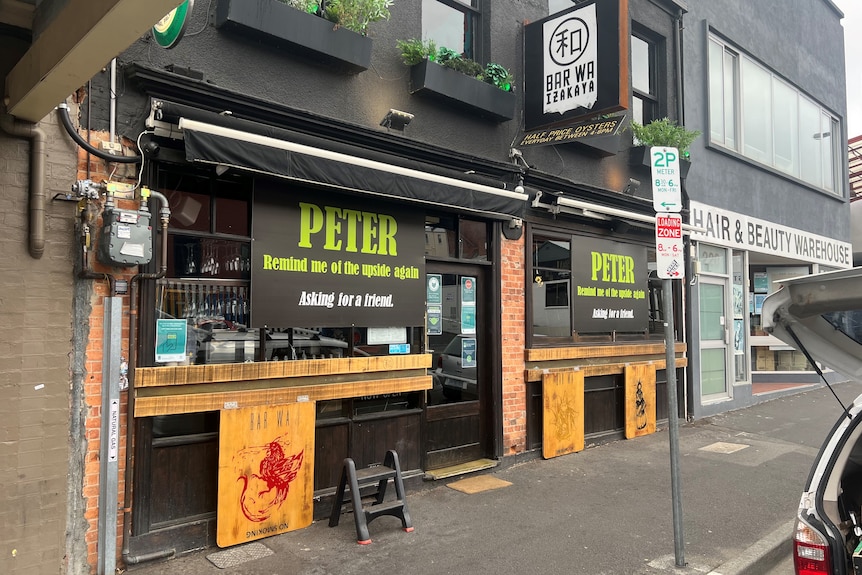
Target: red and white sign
<point x="668" y="243"/>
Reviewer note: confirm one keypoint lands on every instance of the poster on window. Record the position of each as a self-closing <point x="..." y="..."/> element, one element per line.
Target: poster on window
<point x="610" y="284"/>
<point x="335" y="260"/>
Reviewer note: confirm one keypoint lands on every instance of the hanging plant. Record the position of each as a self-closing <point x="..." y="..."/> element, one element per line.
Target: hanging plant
<point x="310" y="6"/>
<point x="415" y="51"/>
<point x="356" y="15"/>
<point x="665" y="132"/>
<point x="499" y="76"/>
<point x="353" y="15"/>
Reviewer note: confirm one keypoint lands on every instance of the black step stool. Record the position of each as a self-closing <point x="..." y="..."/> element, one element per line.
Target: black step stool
<point x="356" y="479"/>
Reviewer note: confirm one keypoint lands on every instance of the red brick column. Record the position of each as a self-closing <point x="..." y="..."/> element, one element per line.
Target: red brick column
<point x="512" y="291"/>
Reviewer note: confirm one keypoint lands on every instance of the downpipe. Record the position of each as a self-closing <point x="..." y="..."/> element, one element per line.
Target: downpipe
<point x="128" y="559"/>
<point x="37" y="198"/>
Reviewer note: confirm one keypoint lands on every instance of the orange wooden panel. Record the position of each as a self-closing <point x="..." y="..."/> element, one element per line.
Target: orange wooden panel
<point x="563" y="398"/>
<point x="266" y="472"/>
<point x="640" y="400"/>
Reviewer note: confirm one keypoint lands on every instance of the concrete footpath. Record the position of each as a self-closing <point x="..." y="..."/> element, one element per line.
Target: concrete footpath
<point x="605" y="510"/>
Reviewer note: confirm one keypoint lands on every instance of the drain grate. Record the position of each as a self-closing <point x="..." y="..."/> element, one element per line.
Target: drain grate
<point x="239" y="555"/>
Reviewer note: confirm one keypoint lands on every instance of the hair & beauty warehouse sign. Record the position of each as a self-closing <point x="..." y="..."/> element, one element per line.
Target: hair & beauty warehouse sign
<point x="609" y="287"/>
<point x="332" y="260"/>
<point x="576" y="63"/>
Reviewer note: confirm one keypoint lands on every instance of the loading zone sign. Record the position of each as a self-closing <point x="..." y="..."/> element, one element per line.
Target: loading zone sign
<point x="668" y="243"/>
<point x="666" y="195"/>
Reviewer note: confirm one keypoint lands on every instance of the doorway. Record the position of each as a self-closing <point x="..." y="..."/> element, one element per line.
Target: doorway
<point x="714" y="346"/>
<point x="456" y="422"/>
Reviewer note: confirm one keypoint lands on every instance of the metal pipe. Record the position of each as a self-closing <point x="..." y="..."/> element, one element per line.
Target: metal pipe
<point x="673" y="421"/>
<point x="112" y="119"/>
<point x="63" y="112"/>
<point x="165" y="217"/>
<point x="37" y="194"/>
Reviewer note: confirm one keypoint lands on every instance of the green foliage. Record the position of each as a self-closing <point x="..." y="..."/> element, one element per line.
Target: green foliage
<point x="356" y="15"/>
<point x="499" y="76"/>
<point x="414" y="51"/>
<point x="665" y="132"/>
<point x="310" y="6"/>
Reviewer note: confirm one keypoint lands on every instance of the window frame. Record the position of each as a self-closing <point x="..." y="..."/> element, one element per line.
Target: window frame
<point x="654" y="100"/>
<point x="731" y="110"/>
<point x="653" y="286"/>
<point x="474" y="10"/>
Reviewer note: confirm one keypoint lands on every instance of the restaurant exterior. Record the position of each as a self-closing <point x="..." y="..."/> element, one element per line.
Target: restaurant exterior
<point x="310" y="253"/>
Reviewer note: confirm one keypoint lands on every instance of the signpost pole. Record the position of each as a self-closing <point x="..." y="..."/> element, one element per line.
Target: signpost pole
<point x="673" y="422"/>
<point x="667" y="201"/>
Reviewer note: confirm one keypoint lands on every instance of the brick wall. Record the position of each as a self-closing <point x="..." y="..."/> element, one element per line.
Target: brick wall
<point x="36" y="309"/>
<point x="97" y="170"/>
<point x="513" y="330"/>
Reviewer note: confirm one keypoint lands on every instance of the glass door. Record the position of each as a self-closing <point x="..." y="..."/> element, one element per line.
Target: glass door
<point x="459" y="370"/>
<point x="714" y="348"/>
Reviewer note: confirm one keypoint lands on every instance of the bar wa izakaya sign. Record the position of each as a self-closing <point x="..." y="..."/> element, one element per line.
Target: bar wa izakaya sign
<point x="334" y="260"/>
<point x="576" y="64"/>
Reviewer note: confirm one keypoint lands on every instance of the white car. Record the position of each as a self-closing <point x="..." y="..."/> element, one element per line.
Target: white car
<point x="821" y="315"/>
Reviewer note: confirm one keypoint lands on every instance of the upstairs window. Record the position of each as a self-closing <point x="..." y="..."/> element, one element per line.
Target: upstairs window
<point x="452" y="24"/>
<point x="645" y="91"/>
<point x="759" y="115"/>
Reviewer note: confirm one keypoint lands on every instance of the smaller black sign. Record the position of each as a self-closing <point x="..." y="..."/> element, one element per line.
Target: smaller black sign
<point x="575" y="133"/>
<point x="610" y="287"/>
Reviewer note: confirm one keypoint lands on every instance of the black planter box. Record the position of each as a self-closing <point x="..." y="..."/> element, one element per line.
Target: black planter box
<point x="280" y="25"/>
<point x="464" y="91"/>
<point x="639" y="156"/>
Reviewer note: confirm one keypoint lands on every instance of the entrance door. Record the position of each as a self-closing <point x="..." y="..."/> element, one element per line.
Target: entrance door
<point x="455" y="417"/>
<point x="714" y="347"/>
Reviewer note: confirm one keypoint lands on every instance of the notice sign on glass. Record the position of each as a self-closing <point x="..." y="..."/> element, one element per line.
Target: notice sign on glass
<point x="170" y="340"/>
<point x="468" y="305"/>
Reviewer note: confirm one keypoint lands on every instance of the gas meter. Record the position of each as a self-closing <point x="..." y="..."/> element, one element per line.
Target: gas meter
<point x="126" y="238"/>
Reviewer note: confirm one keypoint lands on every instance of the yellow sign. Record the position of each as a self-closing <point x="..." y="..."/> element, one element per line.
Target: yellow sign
<point x="640" y="400"/>
<point x="563" y="397"/>
<point x="266" y="472"/>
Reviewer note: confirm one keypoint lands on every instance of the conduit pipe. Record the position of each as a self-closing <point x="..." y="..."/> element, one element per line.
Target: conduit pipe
<point x="165" y="218"/>
<point x="37" y="198"/>
<point x="63" y="112"/>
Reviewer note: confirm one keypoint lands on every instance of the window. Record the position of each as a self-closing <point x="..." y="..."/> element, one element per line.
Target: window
<point x="452" y="237"/>
<point x="452" y="24"/>
<point x="645" y="99"/>
<point x="552" y="265"/>
<point x="759" y="115"/>
<point x="555" y="6"/>
<point x="586" y="290"/>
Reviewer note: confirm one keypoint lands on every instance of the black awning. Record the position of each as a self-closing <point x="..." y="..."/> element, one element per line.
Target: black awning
<point x="268" y="151"/>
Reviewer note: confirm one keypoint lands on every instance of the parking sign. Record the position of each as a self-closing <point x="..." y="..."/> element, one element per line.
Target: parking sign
<point x="668" y="244"/>
<point x="664" y="168"/>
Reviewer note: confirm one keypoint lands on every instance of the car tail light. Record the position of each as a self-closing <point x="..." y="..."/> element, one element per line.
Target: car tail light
<point x="810" y="551"/>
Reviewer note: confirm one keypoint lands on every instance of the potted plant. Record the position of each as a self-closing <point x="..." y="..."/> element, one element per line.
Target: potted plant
<point x="331" y="31"/>
<point x="445" y="74"/>
<point x="666" y="133"/>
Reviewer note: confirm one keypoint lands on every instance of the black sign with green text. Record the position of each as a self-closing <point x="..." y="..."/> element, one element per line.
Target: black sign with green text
<point x="610" y="286"/>
<point x="323" y="259"/>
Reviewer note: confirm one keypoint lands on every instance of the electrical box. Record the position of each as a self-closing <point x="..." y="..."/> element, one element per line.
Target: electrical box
<point x="126" y="239"/>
